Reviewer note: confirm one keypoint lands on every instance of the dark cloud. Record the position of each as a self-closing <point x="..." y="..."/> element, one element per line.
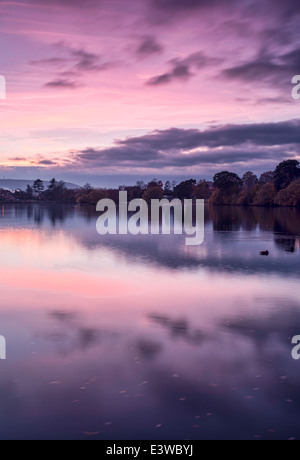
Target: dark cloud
<point x="225" y="135"/>
<point x="124" y="155"/>
<point x="50" y="62"/>
<point x="88" y="61"/>
<point x="174" y="8"/>
<point x="226" y="156"/>
<point x="291" y="59"/>
<point x="47" y="162"/>
<point x="182" y="69"/>
<point x="125" y="158"/>
<point x="257" y="69"/>
<point x="18" y="159"/>
<point x="148" y="46"/>
<point x="268" y="67"/>
<point x="179" y="72"/>
<point x="61" y="83"/>
<point x="72" y="63"/>
<point x="288" y="8"/>
<point x="78" y="4"/>
<point x="272" y="100"/>
<point x="63" y="316"/>
<point x="176" y="147"/>
<point x="271" y="29"/>
<point x="78" y="60"/>
<point x="187" y="5"/>
<point x="160" y="79"/>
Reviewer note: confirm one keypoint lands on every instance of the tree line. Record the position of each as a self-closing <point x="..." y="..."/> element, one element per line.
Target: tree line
<point x="274" y="188"/>
<point x="280" y="187"/>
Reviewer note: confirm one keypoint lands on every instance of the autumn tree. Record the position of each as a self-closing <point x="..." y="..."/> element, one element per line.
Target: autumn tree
<point x="228" y="182"/>
<point x="155" y="183"/>
<point x="167" y="187"/>
<point x="29" y="192"/>
<point x="265" y="195"/>
<point x="153" y="193"/>
<point x="141" y="184"/>
<point x="185" y="189"/>
<point x="134" y="192"/>
<point x="173" y="185"/>
<point x="201" y="190"/>
<point x="289" y="196"/>
<point x="249" y="180"/>
<point x="38" y="187"/>
<point x="285" y="173"/>
<point x="266" y="178"/>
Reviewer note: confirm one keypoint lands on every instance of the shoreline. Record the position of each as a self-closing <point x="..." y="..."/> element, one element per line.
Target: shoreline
<point x="275" y="206"/>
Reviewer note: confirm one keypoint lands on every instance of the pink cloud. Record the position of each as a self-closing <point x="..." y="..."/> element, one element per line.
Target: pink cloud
<point x="112" y="68"/>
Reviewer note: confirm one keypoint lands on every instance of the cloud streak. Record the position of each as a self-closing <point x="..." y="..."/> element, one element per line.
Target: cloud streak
<point x="149" y="46"/>
<point x="76" y="62"/>
<point x="183" y="69"/>
<point x="179" y="148"/>
<point x="61" y="83"/>
<point x="267" y="68"/>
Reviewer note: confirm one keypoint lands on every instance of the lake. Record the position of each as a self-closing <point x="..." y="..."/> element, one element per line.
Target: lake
<point x="142" y="337"/>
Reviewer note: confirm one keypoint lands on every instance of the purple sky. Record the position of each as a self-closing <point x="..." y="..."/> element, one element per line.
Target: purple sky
<point x="102" y="91"/>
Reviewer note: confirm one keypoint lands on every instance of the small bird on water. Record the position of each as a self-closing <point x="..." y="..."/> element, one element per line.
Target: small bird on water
<point x="264" y="253"/>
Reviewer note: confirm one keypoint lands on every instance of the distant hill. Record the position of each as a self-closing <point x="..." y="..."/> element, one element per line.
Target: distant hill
<point x="14" y="184"/>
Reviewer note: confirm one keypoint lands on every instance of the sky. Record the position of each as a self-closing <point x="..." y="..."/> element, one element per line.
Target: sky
<point x="111" y="91"/>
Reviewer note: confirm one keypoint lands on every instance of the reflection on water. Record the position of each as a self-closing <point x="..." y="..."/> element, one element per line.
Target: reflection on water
<point x="142" y="337"/>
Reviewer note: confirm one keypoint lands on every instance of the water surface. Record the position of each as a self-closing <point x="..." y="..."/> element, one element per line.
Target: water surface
<point x="142" y="337"/>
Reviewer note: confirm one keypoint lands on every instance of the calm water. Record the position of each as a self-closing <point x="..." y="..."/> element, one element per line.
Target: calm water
<point x="141" y="337"/>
